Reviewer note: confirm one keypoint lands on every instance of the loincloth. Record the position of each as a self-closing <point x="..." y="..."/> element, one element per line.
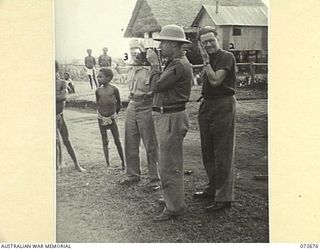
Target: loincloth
<point x="90" y="72"/>
<point x="105" y="121"/>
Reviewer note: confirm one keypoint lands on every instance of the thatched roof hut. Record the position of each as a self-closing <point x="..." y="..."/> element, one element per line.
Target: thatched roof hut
<point x="150" y="15"/>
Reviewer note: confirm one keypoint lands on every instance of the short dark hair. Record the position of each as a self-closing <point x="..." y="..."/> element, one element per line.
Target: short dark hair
<point x="205" y="30"/>
<point x="107" y="72"/>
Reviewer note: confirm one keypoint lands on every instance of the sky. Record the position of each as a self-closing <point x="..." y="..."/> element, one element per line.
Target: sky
<point x="94" y="24"/>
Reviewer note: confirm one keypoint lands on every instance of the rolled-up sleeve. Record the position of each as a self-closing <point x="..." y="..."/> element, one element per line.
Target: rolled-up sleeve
<point x="226" y="63"/>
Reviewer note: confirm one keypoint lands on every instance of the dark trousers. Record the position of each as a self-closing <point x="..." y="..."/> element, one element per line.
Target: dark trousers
<point x="217" y="132"/>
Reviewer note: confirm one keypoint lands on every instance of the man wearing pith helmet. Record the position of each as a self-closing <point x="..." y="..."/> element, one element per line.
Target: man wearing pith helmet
<point x="171" y="90"/>
<point x="217" y="120"/>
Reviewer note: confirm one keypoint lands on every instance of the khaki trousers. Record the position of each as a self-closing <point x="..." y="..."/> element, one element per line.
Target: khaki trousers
<point x="139" y="125"/>
<point x="171" y="128"/>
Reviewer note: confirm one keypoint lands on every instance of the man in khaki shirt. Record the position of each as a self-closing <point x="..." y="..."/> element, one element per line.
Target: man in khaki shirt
<point x="139" y="122"/>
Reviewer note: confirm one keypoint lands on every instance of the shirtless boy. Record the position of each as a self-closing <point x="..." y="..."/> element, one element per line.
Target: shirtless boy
<point x="109" y="104"/>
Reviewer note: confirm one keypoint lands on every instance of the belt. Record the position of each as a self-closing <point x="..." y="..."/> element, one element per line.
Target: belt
<point x="208" y="97"/>
<point x="168" y="110"/>
<point x="139" y="98"/>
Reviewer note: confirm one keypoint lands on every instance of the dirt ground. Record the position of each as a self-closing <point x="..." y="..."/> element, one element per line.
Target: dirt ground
<point x="85" y="97"/>
<point x="94" y="207"/>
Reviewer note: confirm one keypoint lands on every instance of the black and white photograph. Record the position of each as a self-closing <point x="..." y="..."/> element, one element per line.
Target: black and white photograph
<point x="161" y="121"/>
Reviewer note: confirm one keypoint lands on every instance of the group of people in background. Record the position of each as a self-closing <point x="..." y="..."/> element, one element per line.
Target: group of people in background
<point x="90" y="65"/>
<point x="157" y="116"/>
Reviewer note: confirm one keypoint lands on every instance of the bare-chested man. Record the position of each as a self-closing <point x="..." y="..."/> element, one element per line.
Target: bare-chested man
<point x="90" y="63"/>
<point x="109" y="104"/>
<point x="61" y="96"/>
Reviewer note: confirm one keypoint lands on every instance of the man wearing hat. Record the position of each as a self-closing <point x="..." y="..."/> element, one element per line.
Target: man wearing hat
<point x="139" y="122"/>
<point x="171" y="90"/>
<point x="217" y="120"/>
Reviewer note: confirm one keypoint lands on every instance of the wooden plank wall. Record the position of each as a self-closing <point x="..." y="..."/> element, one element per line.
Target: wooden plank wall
<point x="252" y="38"/>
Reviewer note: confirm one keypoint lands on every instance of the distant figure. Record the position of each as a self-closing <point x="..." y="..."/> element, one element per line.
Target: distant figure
<point x="231" y="46"/>
<point x="90" y="63"/>
<point x="61" y="96"/>
<point x="109" y="104"/>
<point x="104" y="59"/>
<point x="70" y="86"/>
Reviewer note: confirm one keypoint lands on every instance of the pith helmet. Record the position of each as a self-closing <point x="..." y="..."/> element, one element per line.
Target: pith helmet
<point x="172" y="32"/>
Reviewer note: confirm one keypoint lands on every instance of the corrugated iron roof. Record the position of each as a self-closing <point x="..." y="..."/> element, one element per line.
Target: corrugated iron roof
<point x="238" y="15"/>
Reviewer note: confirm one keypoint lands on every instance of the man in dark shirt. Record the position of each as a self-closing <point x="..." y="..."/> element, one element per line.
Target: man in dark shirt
<point x="90" y="63"/>
<point x="217" y="120"/>
<point x="104" y="59"/>
<point x="171" y="90"/>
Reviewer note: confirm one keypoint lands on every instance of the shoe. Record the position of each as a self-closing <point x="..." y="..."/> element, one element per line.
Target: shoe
<point x="161" y="202"/>
<point x="203" y="196"/>
<point x="164" y="217"/>
<point x="217" y="206"/>
<point x="188" y="172"/>
<point x="154" y="185"/>
<point x="128" y="182"/>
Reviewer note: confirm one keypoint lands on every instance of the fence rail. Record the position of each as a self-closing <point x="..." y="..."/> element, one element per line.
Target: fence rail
<point x="120" y="71"/>
<point x="252" y="66"/>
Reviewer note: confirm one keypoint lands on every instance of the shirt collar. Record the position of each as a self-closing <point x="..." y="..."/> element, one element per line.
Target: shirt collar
<point x="213" y="55"/>
<point x="179" y="55"/>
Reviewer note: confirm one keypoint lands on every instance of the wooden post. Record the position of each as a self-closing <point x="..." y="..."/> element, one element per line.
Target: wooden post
<point x="252" y="73"/>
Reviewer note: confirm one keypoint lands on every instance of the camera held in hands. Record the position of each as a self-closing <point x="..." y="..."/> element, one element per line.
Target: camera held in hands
<point x="138" y="51"/>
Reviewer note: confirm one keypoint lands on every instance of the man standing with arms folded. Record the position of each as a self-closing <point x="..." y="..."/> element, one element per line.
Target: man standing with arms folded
<point x="217" y="120"/>
<point x="171" y="90"/>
